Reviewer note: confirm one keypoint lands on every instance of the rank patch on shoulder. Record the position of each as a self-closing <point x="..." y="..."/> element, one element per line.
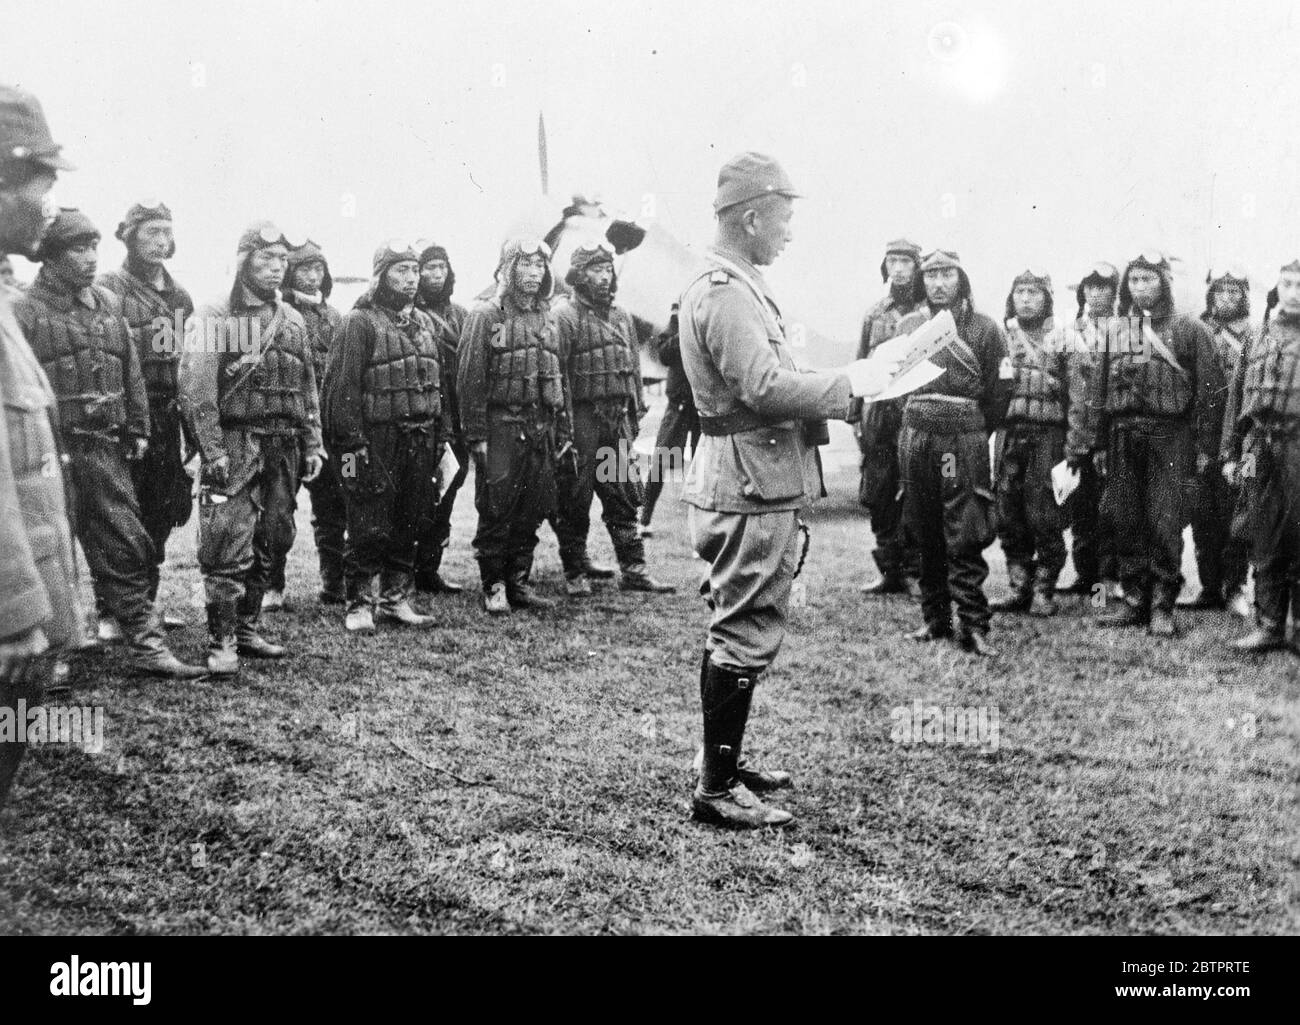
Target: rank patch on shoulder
<point x="1006" y="371"/>
<point x="719" y="277"/>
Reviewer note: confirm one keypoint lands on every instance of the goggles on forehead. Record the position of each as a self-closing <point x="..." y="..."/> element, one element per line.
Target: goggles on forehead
<point x="1033" y="272"/>
<point x="272" y="235"/>
<point x="1227" y="270"/>
<point x="1102" y="269"/>
<point x="1154" y="257"/>
<point x="599" y="247"/>
<point x="533" y="246"/>
<point x="401" y="246"/>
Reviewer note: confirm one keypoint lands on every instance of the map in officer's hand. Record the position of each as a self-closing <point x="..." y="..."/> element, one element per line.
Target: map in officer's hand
<point x="912" y="352"/>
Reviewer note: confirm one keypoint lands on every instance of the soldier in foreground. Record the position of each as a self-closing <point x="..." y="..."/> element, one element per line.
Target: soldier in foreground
<point x="1153" y="415"/>
<point x="156" y="307"/>
<point x="1261" y="452"/>
<point x="602" y="376"/>
<point x="307" y="288"/>
<point x="679" y="430"/>
<point x="249" y="396"/>
<point x="1032" y="442"/>
<point x="385" y="420"/>
<point x="437" y="282"/>
<point x="1221" y="558"/>
<point x="878" y="426"/>
<point x="944" y="452"/>
<point x="77" y="331"/>
<point x="512" y="406"/>
<point x="752" y="473"/>
<point x="40" y="613"/>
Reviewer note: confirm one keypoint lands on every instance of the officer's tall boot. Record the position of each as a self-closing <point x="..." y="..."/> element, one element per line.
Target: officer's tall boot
<point x="150" y="655"/>
<point x="248" y="610"/>
<point x="1044" y="599"/>
<point x="721" y="798"/>
<point x="360" y="616"/>
<point x="1020" y="578"/>
<point x="223" y="656"/>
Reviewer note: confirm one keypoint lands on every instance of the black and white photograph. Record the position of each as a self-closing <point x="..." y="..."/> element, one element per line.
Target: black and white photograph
<point x="676" y="467"/>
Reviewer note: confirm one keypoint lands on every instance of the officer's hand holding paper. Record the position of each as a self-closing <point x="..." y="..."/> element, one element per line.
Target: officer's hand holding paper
<point x="908" y="357"/>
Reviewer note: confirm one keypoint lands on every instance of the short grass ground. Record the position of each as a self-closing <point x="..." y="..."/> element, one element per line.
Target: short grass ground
<point x="532" y="774"/>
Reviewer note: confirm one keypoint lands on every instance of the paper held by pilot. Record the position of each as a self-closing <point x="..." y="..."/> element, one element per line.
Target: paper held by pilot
<point x="912" y="352"/>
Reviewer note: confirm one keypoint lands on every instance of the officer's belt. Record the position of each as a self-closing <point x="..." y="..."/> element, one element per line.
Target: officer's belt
<point x="946" y="414"/>
<point x="742" y="418"/>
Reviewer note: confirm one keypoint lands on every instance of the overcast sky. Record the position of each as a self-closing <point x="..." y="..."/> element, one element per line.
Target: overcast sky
<point x="1018" y="133"/>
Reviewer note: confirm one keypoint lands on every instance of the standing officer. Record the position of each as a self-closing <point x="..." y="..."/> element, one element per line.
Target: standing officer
<point x="307" y="288"/>
<point x="77" y="331"/>
<point x="40" y="613"/>
<point x="753" y="471"/>
<point x="1261" y="452"/>
<point x="1033" y="441"/>
<point x="679" y="429"/>
<point x="602" y="377"/>
<point x="248" y="393"/>
<point x="944" y="452"/>
<point x="1154" y="412"/>
<point x="878" y="425"/>
<point x="1221" y="559"/>
<point x="437" y="282"/>
<point x="385" y="420"/>
<point x="1092" y="549"/>
<point x="512" y="406"/>
<point x="154" y="304"/>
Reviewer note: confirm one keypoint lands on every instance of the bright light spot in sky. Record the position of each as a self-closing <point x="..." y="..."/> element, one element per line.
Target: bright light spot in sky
<point x="971" y="62"/>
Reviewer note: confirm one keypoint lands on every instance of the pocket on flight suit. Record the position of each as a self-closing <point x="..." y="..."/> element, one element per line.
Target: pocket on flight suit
<point x="968" y="495"/>
<point x="770" y="460"/>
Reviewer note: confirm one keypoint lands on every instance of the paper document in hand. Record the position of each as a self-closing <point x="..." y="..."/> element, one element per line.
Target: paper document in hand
<point x="1064" y="481"/>
<point x="448" y="466"/>
<point x="912" y="352"/>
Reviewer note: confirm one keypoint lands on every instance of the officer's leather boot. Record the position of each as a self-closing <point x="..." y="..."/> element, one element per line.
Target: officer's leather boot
<point x="248" y="641"/>
<point x="1021" y="582"/>
<point x="721" y="798"/>
<point x="223" y="658"/>
<point x="150" y="655"/>
<point x="360" y="618"/>
<point x="429" y="579"/>
<point x="751" y="775"/>
<point x="637" y="578"/>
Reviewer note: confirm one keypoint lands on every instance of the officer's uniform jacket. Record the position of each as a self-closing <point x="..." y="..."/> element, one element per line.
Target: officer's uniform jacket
<point x="39" y="574"/>
<point x="740" y="368"/>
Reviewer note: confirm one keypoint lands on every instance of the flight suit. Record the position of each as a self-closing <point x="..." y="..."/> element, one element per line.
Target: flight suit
<point x="880" y="489"/>
<point x="1261" y="433"/>
<point x="1221" y="558"/>
<point x="1030" y="524"/>
<point x="162" y="487"/>
<point x="598" y="354"/>
<point x="511" y="391"/>
<point x="943" y="451"/>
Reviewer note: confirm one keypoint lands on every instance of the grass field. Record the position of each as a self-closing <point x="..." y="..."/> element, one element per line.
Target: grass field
<point x="533" y="774"/>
